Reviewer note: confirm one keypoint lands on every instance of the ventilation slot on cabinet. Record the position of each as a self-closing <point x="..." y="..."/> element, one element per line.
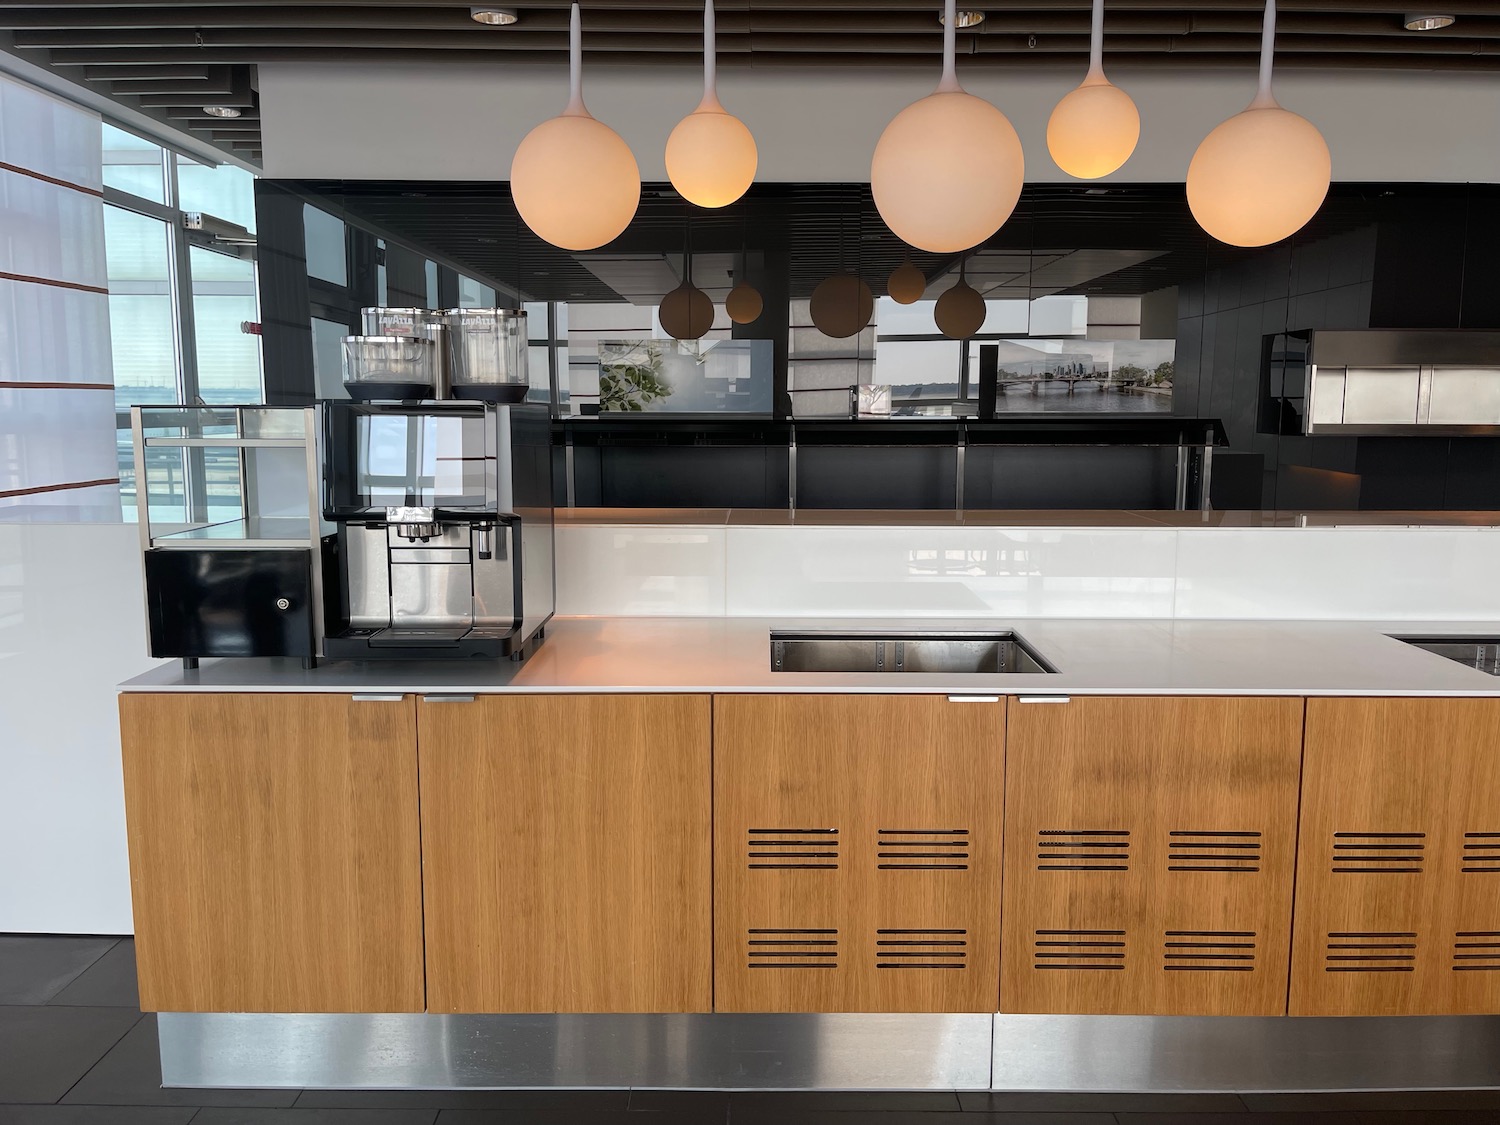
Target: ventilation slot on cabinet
<point x="1476" y="951"/>
<point x="1209" y="951"/>
<point x="793" y="949"/>
<point x="923" y="849"/>
<point x="1378" y="853"/>
<point x="1370" y="952"/>
<point x="1079" y="949"/>
<point x="921" y="949"/>
<point x="1482" y="852"/>
<point x="1213" y="851"/>
<point x="1083" y="849"/>
<point x="793" y="849"/>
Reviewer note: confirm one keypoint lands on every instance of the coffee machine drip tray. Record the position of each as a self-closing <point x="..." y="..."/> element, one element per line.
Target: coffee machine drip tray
<point x="432" y="642"/>
<point x="430" y="637"/>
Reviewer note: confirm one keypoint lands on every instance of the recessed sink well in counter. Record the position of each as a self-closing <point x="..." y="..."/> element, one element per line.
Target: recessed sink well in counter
<point x="999" y="651"/>
<point x="1482" y="653"/>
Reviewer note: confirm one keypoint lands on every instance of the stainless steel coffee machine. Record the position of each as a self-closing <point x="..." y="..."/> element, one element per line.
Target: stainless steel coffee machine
<point x="444" y="545"/>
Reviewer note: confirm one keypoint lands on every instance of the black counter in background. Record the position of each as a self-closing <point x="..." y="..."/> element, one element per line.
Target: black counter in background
<point x="907" y="463"/>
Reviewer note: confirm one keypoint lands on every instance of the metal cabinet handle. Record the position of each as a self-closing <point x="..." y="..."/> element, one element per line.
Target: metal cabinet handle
<point x="378" y="697"/>
<point x="448" y="699"/>
<point x="1043" y="699"/>
<point x="973" y="699"/>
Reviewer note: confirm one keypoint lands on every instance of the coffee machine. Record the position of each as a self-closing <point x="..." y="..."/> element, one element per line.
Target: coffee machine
<point x="444" y="542"/>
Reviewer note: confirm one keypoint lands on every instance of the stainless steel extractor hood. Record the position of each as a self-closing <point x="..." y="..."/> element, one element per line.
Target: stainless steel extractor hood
<point x="1403" y="382"/>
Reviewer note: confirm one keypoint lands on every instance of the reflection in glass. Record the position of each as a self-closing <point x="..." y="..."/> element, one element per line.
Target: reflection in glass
<point x="474" y="295"/>
<point x="323" y="237"/>
<point x="229" y="363"/>
<point x="328" y="357"/>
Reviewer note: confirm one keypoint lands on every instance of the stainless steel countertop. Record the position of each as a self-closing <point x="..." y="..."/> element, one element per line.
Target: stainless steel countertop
<point x="732" y="654"/>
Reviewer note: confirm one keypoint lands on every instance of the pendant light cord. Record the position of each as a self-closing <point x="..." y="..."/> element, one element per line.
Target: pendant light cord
<point x="710" y="60"/>
<point x="576" y="108"/>
<point x="949" y="82"/>
<point x="1096" y="42"/>
<point x="1263" y="97"/>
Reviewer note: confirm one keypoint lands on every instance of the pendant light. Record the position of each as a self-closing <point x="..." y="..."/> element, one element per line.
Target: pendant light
<point x="1261" y="175"/>
<point x="948" y="169"/>
<point x="687" y="312"/>
<point x="842" y="305"/>
<point x="711" y="155"/>
<point x="744" y="303"/>
<point x="574" y="179"/>
<point x="907" y="283"/>
<point x="1093" y="130"/>
<point x="960" y="312"/>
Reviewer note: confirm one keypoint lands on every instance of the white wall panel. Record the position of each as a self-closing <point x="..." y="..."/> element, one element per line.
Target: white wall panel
<point x="822" y="126"/>
<point x="55" y="435"/>
<point x="640" y="571"/>
<point x="950" y="572"/>
<point x="1331" y="574"/>
<point x="72" y="626"/>
<point x="51" y="232"/>
<point x="1345" y="573"/>
<point x="48" y="135"/>
<point x="53" y="335"/>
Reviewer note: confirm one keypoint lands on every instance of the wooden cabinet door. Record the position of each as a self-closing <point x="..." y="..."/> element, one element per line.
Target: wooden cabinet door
<point x="1149" y="855"/>
<point x="1396" y="910"/>
<point x="566" y="850"/>
<point x="274" y="855"/>
<point x="856" y="853"/>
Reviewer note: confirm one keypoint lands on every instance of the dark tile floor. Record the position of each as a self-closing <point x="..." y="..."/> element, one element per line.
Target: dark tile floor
<point x="75" y="1050"/>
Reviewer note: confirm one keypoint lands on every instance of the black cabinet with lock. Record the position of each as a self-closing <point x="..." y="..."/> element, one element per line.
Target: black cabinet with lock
<point x="230" y="602"/>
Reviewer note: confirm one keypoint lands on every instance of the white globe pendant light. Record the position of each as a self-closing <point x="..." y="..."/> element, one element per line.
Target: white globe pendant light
<point x="1261" y="175"/>
<point x="1094" y="129"/>
<point x="573" y="178"/>
<point x="948" y="169"/>
<point x="711" y="154"/>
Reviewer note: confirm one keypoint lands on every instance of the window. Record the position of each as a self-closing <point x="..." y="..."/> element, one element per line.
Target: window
<point x="141" y="326"/>
<point x="179" y="309"/>
<point x="133" y="165"/>
<point x="225" y="192"/>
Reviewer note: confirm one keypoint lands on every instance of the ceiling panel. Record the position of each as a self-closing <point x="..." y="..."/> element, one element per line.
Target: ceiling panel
<point x="175" y="53"/>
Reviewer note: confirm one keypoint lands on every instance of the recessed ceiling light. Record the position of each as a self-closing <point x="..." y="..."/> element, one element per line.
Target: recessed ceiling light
<point x="221" y="111"/>
<point x="500" y="17"/>
<point x="964" y="19"/>
<point x="1417" y="22"/>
